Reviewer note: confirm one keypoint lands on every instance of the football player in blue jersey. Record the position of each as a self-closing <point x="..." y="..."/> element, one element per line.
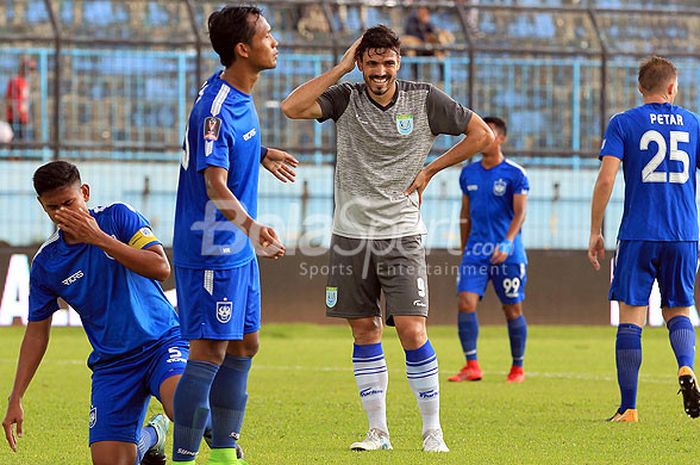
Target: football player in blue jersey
<point x="494" y="203"/>
<point x="657" y="144"/>
<point x="217" y="235"/>
<point x="106" y="263"/>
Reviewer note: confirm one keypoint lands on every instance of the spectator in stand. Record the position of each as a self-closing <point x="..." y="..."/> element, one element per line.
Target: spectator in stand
<point x="17" y="96"/>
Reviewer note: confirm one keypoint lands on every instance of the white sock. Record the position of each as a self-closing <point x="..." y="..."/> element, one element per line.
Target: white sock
<point x="422" y="373"/>
<point x="372" y="380"/>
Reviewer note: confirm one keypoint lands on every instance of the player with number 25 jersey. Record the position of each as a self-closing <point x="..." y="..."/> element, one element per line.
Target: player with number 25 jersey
<point x="657" y="145"/>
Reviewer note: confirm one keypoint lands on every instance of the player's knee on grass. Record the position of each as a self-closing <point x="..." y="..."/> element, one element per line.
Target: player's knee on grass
<point x="411" y="330"/>
<point x="366" y="330"/>
<point x="512" y="311"/>
<point x="113" y="453"/>
<point x="467" y="302"/>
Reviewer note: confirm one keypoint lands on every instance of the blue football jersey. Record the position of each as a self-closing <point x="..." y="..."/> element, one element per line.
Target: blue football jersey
<point x="122" y="311"/>
<point x="490" y="193"/>
<point x="658" y="146"/>
<point x="223" y="131"/>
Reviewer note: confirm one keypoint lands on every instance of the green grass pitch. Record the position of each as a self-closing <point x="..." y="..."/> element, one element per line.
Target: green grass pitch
<point x="304" y="408"/>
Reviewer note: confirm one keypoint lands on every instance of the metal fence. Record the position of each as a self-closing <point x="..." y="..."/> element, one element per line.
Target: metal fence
<point x="114" y="80"/>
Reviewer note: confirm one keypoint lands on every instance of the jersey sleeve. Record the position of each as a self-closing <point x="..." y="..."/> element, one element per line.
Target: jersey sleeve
<point x="463" y="181"/>
<point x="445" y="115"/>
<point x="697" y="143"/>
<point x="132" y="227"/>
<point x="217" y="139"/>
<point x="334" y="101"/>
<point x="613" y="142"/>
<point x="42" y="302"/>
<point x="522" y="184"/>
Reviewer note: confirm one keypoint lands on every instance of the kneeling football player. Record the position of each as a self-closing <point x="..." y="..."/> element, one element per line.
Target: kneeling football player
<point x="106" y="263"/>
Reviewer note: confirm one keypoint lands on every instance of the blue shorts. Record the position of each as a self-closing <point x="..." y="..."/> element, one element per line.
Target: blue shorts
<point x="639" y="263"/>
<point x="508" y="280"/>
<point x="122" y="389"/>
<point x="219" y="304"/>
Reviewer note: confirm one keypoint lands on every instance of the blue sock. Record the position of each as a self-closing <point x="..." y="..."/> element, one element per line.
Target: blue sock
<point x="682" y="336"/>
<point x="517" y="332"/>
<point x="228" y="399"/>
<point x="468" y="328"/>
<point x="628" y="357"/>
<point x="191" y="404"/>
<point x="147" y="440"/>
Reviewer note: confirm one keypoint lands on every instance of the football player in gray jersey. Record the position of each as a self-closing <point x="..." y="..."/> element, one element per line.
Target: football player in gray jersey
<point x="385" y="129"/>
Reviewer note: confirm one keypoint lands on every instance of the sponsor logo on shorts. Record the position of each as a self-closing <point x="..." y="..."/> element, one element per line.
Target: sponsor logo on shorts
<point x="235" y="436"/>
<point x="370" y="391"/>
<point x="224" y="310"/>
<point x="331" y="296"/>
<point x="499" y="187"/>
<point x="93" y="416"/>
<point x="419" y="303"/>
<point x="175" y="356"/>
<point x="182" y="451"/>
<point x="428" y="394"/>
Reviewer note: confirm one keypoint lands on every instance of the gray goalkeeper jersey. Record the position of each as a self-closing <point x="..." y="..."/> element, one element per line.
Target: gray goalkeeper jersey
<point x="380" y="152"/>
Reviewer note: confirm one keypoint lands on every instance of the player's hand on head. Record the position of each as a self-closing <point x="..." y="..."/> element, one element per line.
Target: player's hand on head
<point x="596" y="250"/>
<point x="80" y="224"/>
<point x="347" y="63"/>
<point x="281" y="164"/>
<point x="14" y="416"/>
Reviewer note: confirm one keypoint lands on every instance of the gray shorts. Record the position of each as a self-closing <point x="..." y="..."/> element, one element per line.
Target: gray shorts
<point x="360" y="269"/>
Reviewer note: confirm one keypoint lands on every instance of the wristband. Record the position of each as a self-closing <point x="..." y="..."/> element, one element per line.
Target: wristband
<point x="263" y="153"/>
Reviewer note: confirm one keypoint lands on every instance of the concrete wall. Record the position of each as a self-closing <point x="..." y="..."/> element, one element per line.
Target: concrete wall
<point x="562" y="288"/>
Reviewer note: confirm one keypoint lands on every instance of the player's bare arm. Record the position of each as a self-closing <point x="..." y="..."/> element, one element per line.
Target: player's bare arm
<point x="519" y="212"/>
<point x="601" y="195"/>
<point x="264" y="238"/>
<point x="36" y="339"/>
<point x="302" y="104"/>
<point x="478" y="136"/>
<point x="465" y="222"/>
<point x="281" y="164"/>
<point x="151" y="262"/>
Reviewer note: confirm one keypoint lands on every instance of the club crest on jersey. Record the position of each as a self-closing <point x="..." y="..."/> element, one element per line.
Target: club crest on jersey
<point x="212" y="127"/>
<point x="404" y="124"/>
<point x="93" y="416"/>
<point x="331" y="296"/>
<point x="499" y="187"/>
<point x="224" y="310"/>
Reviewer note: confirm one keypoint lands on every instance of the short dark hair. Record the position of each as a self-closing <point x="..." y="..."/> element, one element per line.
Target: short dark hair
<point x="656" y="72"/>
<point x="55" y="175"/>
<point x="378" y="37"/>
<point x="228" y="27"/>
<point x="498" y="122"/>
